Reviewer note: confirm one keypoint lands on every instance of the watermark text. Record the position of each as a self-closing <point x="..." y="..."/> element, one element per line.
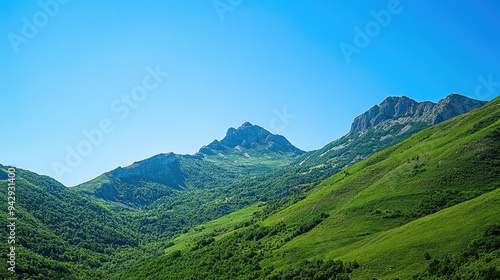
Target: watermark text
<point x="31" y="26"/>
<point x="486" y="87"/>
<point x="223" y="6"/>
<point x="11" y="220"/>
<point x="363" y="36"/>
<point x="280" y="120"/>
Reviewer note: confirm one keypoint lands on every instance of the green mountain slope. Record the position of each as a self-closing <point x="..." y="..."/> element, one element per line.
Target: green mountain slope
<point x="406" y="246"/>
<point x="253" y="151"/>
<point x="370" y="213"/>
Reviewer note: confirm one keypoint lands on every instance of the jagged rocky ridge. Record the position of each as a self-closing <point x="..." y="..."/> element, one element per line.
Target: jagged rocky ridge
<point x="382" y="126"/>
<point x="405" y="110"/>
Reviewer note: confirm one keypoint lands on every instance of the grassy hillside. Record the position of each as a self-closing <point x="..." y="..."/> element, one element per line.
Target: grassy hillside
<point x="406" y="246"/>
<point x="178" y="211"/>
<point x="375" y="215"/>
<point x="438" y="168"/>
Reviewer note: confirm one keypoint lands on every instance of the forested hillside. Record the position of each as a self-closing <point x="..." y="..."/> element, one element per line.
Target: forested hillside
<point x="63" y="235"/>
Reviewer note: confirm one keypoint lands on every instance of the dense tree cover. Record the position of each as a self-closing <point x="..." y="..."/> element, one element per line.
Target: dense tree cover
<point x="175" y="214"/>
<point x="132" y="192"/>
<point x="238" y="256"/>
<point x="65" y="234"/>
<point x="95" y="227"/>
<point x="316" y="270"/>
<point x="61" y="234"/>
<point x="89" y="240"/>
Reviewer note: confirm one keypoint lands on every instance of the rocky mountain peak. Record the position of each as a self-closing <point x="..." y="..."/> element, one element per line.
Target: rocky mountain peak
<point x="247" y="135"/>
<point x="404" y="110"/>
<point x="251" y="136"/>
<point x="245" y="124"/>
<point x="391" y="108"/>
<point x="454" y="105"/>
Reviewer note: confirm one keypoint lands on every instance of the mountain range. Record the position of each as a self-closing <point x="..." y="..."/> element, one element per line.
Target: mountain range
<point x="253" y="206"/>
<point x="252" y="150"/>
<point x="247" y="150"/>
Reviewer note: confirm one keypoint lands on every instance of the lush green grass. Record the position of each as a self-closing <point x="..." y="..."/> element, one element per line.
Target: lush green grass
<point x="399" y="252"/>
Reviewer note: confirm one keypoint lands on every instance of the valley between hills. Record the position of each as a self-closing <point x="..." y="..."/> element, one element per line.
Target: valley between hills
<point x="412" y="191"/>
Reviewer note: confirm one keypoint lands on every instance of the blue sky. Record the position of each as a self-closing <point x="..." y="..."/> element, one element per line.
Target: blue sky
<point x="67" y="68"/>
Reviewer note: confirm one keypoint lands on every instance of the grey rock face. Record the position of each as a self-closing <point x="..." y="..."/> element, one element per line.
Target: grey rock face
<point x="454" y="105"/>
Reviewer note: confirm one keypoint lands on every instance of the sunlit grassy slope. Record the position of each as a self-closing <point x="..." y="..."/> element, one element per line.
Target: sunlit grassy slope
<point x="372" y="203"/>
<point x="438" y="234"/>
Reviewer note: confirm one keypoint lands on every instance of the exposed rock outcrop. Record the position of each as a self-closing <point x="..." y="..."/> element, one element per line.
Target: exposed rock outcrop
<point x="406" y="110"/>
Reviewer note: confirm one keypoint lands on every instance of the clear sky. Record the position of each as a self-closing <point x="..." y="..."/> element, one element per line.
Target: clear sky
<point x="90" y="77"/>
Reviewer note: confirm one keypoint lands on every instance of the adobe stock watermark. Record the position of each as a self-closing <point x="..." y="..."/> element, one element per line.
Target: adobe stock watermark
<point x="363" y="36"/>
<point x="121" y="107"/>
<point x="11" y="220"/>
<point x="280" y="120"/>
<point x="486" y="87"/>
<point x="223" y="6"/>
<point x="31" y="26"/>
